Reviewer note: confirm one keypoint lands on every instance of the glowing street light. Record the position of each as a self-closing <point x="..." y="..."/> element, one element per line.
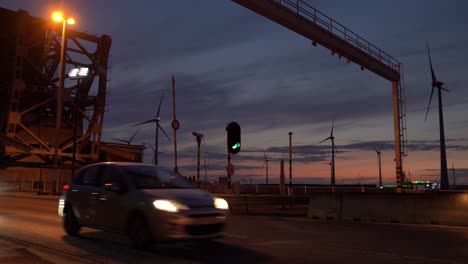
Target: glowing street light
<point x="76" y="74"/>
<point x="58" y="16"/>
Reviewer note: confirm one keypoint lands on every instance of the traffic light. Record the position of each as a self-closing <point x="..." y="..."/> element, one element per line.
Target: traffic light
<point x="233" y="137"/>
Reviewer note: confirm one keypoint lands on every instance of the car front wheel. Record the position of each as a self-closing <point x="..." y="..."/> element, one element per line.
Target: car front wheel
<point x="139" y="233"/>
<point x="70" y="223"/>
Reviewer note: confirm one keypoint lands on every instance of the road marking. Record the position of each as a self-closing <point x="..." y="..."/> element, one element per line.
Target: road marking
<point x="281" y="242"/>
<point x="236" y="236"/>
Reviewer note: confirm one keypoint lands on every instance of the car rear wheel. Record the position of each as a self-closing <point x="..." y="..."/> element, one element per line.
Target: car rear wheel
<point x="70" y="223"/>
<point x="139" y="233"/>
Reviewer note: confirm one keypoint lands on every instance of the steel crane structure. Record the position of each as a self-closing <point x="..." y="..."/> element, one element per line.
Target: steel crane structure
<point x="30" y="52"/>
<point x="307" y="21"/>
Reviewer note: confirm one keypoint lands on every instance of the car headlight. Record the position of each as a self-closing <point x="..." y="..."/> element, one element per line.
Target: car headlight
<point x="220" y="203"/>
<point x="169" y="206"/>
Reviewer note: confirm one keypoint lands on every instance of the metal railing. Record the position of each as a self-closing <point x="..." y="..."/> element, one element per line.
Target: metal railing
<point x="303" y="9"/>
<point x="31" y="186"/>
<point x="236" y="188"/>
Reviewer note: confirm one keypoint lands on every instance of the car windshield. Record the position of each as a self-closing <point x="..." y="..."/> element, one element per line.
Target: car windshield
<point x="152" y="177"/>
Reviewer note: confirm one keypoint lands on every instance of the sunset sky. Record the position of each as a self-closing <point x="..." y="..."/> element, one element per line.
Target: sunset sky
<point x="232" y="64"/>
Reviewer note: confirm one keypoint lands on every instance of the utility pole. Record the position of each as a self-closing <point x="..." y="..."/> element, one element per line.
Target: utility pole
<point x="290" y="163"/>
<point x="175" y="125"/>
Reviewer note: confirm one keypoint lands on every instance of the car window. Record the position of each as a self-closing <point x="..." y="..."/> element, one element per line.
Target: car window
<point x="110" y="175"/>
<point x="88" y="176"/>
<point x="152" y="177"/>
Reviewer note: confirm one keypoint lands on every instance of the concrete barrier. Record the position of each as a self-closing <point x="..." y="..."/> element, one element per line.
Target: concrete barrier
<point x="446" y="208"/>
<point x="327" y="206"/>
<point x="268" y="204"/>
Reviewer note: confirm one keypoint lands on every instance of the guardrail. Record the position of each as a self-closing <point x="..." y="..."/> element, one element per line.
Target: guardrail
<point x="31" y="186"/>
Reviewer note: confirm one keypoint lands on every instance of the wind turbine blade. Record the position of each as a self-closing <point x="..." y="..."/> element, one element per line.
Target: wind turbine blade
<point x="333" y="124"/>
<point x="375" y="149"/>
<point x="146" y="122"/>
<point x="434" y="79"/>
<point x="151" y="147"/>
<point x="164" y="132"/>
<point x="134" y="134"/>
<point x="429" y="105"/>
<point x="325" y="139"/>
<point x="121" y="140"/>
<point x="264" y="154"/>
<point x="159" y="107"/>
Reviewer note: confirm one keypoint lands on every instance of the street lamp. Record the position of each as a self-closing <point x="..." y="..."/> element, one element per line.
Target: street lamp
<point x="57" y="16"/>
<point x="76" y="74"/>
<point x="199" y="137"/>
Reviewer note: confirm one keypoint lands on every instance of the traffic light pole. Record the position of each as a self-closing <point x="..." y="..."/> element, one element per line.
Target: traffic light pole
<point x="228" y="174"/>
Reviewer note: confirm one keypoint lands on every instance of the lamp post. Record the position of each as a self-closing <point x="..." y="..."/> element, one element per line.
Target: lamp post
<point x="58" y="17"/>
<point x="76" y="74"/>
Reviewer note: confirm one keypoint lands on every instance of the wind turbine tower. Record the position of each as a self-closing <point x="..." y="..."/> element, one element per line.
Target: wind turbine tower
<point x="379" y="152"/>
<point x="158" y="127"/>
<point x="332" y="139"/>
<point x="453" y="177"/>
<point x="444" y="184"/>
<point x="265" y="164"/>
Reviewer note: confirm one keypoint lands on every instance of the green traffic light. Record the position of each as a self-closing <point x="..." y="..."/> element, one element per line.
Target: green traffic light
<point x="236" y="146"/>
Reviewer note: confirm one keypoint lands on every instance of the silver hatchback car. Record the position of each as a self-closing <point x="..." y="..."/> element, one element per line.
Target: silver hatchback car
<point x="148" y="203"/>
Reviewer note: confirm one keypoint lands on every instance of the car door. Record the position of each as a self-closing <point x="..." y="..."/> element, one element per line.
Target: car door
<point x="82" y="194"/>
<point x="112" y="206"/>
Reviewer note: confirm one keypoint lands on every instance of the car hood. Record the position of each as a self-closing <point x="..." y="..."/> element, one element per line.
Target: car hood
<point x="190" y="197"/>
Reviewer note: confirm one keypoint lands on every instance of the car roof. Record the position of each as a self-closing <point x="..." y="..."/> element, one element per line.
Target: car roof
<point x="117" y="163"/>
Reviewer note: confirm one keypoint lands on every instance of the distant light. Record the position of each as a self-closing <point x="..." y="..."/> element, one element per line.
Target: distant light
<point x="77" y="73"/>
<point x="73" y="72"/>
<point x="83" y="71"/>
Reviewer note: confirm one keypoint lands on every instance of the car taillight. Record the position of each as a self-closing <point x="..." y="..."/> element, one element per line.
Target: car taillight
<point x="66" y="187"/>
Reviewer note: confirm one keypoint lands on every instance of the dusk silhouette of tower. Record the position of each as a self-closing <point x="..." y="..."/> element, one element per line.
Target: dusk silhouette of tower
<point x="379" y="152"/>
<point x="158" y="127"/>
<point x="265" y="164"/>
<point x="332" y="139"/>
<point x="444" y="184"/>
<point x="454" y="183"/>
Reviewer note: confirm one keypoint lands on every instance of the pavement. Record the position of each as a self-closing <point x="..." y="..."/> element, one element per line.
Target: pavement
<point x="15" y="251"/>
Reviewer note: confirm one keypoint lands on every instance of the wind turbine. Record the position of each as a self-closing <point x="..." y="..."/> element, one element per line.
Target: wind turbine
<point x="152" y="148"/>
<point x="129" y="141"/>
<point x="453" y="176"/>
<point x="379" y="151"/>
<point x="158" y="127"/>
<point x="332" y="139"/>
<point x="443" y="156"/>
<point x="266" y="163"/>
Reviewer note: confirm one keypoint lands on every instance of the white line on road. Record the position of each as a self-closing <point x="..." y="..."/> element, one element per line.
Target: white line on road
<point x="236" y="236"/>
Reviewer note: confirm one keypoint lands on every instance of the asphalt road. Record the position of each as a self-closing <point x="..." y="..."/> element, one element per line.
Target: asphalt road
<point x="250" y="239"/>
